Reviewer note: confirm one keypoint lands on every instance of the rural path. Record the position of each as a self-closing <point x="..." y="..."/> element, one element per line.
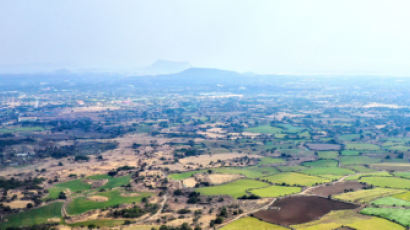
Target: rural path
<point x="248" y="213"/>
<point x="68" y="199"/>
<point x="306" y="191"/>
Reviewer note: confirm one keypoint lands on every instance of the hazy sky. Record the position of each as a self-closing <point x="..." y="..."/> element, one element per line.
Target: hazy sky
<point x="264" y="36"/>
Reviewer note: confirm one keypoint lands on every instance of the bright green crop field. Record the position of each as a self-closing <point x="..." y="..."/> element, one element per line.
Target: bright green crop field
<point x="235" y="189"/>
<point x="275" y="191"/>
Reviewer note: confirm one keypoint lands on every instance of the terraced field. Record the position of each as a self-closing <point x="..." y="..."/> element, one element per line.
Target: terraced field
<point x="387" y="182"/>
<point x="399" y="215"/>
<point x="250" y="223"/>
<point x="367" y="195"/>
<point x="34" y="216"/>
<point x="295" y="179"/>
<point x="275" y="191"/>
<point x="235" y="189"/>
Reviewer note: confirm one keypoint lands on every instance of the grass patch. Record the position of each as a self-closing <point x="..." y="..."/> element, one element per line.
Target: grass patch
<point x="387" y="182"/>
<point x="297" y="179"/>
<point x="82" y="204"/>
<point x="250" y="172"/>
<point x="367" y="195"/>
<point x="250" y="223"/>
<point x="235" y="189"/>
<point x="399" y="215"/>
<point x="34" y="216"/>
<point x="320" y="163"/>
<point x="358" y="176"/>
<point x="403" y="196"/>
<point x="360" y="168"/>
<point x="275" y="191"/>
<point x="402" y="174"/>
<point x="115" y="182"/>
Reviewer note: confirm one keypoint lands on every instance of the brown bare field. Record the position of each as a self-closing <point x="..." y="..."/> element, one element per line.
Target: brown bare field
<point x="222" y="178"/>
<point x="15" y="204"/>
<point x="206" y="159"/>
<point x="98" y="198"/>
<point x="336" y="188"/>
<point x="300" y="209"/>
<point x="323" y="147"/>
<point x="189" y="182"/>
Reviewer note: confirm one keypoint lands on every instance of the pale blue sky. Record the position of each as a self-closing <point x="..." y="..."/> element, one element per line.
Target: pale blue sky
<point x="263" y="36"/>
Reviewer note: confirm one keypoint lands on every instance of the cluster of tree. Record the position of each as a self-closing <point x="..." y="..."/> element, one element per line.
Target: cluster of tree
<point x="184" y="226"/>
<point x="85" y="148"/>
<point x="121" y="168"/>
<point x="12" y="183"/>
<point x="181" y="153"/>
<point x="136" y="211"/>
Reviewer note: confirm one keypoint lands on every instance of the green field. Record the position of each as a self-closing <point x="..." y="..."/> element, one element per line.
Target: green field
<point x="75" y="186"/>
<point x="265" y="129"/>
<point x="99" y="223"/>
<point x="250" y="223"/>
<point x="21" y="129"/>
<point x="82" y="204"/>
<point x="34" y="216"/>
<point x="298" y="179"/>
<point x="275" y="191"/>
<point x="328" y="154"/>
<point x="400" y="148"/>
<point x="320" y="163"/>
<point x="387" y="182"/>
<point x="403" y="196"/>
<point x="362" y="147"/>
<point x="391" y="201"/>
<point x="399" y="215"/>
<point x="357" y="160"/>
<point x="319" y="171"/>
<point x="270" y="160"/>
<point x="291" y="168"/>
<point x="402" y="174"/>
<point x="235" y="189"/>
<point x="115" y="182"/>
<point x="367" y="174"/>
<point x="350" y="153"/>
<point x="367" y="195"/>
<point x="349" y="137"/>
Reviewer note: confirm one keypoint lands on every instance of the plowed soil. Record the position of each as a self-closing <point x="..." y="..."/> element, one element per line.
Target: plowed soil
<point x="300" y="209"/>
<point x="336" y="188"/>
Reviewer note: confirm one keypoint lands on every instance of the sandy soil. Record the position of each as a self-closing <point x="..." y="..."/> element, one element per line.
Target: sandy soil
<point x="15" y="204"/>
<point x="98" y="198"/>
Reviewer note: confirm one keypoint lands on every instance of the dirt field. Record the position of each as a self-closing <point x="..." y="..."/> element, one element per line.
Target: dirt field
<point x="336" y="188"/>
<point x="322" y="147"/>
<point x="300" y="209"/>
<point x="98" y="198"/>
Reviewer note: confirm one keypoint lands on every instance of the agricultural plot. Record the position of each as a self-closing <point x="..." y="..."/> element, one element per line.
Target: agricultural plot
<point x="250" y="172"/>
<point x="297" y="179"/>
<point x="82" y="204"/>
<point x="320" y="171"/>
<point x="367" y="195"/>
<point x="99" y="223"/>
<point x="403" y="196"/>
<point x="349" y="137"/>
<point x="235" y="189"/>
<point x="387" y="182"/>
<point x="362" y="147"/>
<point x="35" y="216"/>
<point x="75" y="186"/>
<point x="402" y="174"/>
<point x="399" y="215"/>
<point x="349" y="218"/>
<point x="357" y="160"/>
<point x="270" y="160"/>
<point x="265" y="129"/>
<point x="275" y="191"/>
<point x="360" y="168"/>
<point x="115" y="182"/>
<point x="250" y="223"/>
<point x="391" y="201"/>
<point x="350" y="153"/>
<point x="327" y="154"/>
<point x="400" y="148"/>
<point x="184" y="175"/>
<point x="367" y="174"/>
<point x="295" y="168"/>
<point x="320" y="163"/>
